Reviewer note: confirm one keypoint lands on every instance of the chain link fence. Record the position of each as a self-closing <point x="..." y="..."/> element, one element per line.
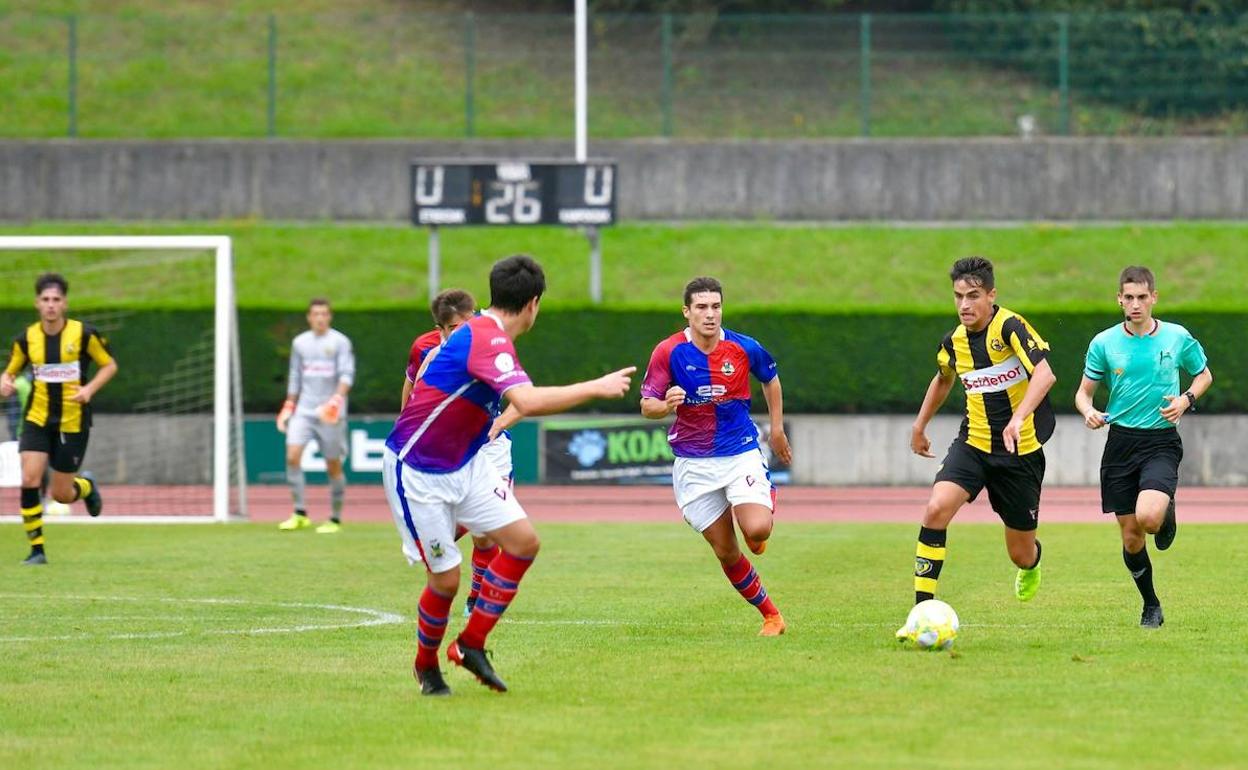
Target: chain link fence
<point x="417" y="75"/>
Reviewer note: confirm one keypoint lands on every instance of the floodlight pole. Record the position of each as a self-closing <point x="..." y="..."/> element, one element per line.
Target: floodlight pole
<point x="582" y="141"/>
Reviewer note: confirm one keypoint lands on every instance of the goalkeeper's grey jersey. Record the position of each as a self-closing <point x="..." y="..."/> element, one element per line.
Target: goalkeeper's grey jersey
<point x="317" y="365"/>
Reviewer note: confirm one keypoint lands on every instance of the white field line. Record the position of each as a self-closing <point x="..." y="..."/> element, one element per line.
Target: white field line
<point x="369" y="617"/>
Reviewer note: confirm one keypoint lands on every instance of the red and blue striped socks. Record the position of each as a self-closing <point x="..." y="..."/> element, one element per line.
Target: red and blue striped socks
<point x="498" y="588"/>
<point x="433" y="612"/>
<point x="481" y="558"/>
<point x="745" y="580"/>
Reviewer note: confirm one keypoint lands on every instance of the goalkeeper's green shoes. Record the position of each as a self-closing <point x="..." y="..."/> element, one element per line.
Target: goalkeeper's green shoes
<point x="330" y="527"/>
<point x="1026" y="583"/>
<point x="295" y="522"/>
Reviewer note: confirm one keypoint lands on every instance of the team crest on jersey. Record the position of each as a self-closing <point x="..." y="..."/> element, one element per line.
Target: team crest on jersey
<point x="727" y="368"/>
<point x="436" y="549"/>
<point x="1118" y="372"/>
<point x="997" y="345"/>
<point x="330" y="350"/>
<point x="71" y="348"/>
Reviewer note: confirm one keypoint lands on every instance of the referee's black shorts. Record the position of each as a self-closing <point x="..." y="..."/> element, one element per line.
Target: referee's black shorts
<point x="1013" y="481"/>
<point x="1137" y="459"/>
<point x="65" y="451"/>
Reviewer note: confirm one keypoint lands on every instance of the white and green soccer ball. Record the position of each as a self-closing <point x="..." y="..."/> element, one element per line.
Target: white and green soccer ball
<point x="931" y="625"/>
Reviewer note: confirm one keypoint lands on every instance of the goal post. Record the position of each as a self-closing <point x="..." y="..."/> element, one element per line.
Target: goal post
<point x="227" y="447"/>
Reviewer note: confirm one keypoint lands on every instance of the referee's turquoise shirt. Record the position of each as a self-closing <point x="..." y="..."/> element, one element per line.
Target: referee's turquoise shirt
<point x="1140" y="370"/>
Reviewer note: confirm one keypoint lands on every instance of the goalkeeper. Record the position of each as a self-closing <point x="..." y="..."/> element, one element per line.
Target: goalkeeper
<point x="322" y="369"/>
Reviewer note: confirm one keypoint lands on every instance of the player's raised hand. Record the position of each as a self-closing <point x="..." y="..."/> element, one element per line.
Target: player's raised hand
<point x="920" y="444"/>
<point x="7" y="386"/>
<point x="1175" y="408"/>
<point x="615" y="384"/>
<point x="1094" y="420"/>
<point x="780" y="446"/>
<point x="675" y="397"/>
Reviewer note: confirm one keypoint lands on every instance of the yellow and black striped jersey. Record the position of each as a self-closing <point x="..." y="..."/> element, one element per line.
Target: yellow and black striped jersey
<point x="59" y="364"/>
<point x="995" y="365"/>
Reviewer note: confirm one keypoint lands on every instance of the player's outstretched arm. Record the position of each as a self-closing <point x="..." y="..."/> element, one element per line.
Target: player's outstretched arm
<point x="531" y="400"/>
<point x="1092" y="417"/>
<point x="937" y="391"/>
<point x="775" y="409"/>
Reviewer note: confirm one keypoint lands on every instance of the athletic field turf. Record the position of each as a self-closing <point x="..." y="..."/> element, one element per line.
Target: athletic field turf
<point x="238" y="646"/>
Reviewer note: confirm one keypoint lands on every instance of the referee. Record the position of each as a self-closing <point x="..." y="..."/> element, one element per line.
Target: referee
<point x="1139" y="361"/>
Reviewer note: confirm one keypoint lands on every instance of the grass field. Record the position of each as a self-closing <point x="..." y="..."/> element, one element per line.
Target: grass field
<point x="1040" y="266"/>
<point x="625" y="648"/>
<point x="392" y="68"/>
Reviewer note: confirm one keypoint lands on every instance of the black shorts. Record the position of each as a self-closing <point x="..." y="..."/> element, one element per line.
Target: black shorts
<point x="1135" y="460"/>
<point x="64" y="450"/>
<point x="1013" y="481"/>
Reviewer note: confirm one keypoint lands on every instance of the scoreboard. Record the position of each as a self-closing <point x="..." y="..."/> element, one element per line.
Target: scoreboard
<point x="511" y="192"/>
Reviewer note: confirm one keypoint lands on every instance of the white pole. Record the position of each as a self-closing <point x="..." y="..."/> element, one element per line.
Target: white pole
<point x="223" y="318"/>
<point x="582" y="83"/>
<point x="435" y="261"/>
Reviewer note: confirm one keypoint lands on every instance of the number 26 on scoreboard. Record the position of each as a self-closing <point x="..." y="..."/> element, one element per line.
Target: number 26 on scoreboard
<point x="509" y="202"/>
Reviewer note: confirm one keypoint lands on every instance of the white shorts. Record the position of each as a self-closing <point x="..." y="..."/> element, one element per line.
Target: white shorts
<point x="330" y="439"/>
<point x="427" y="506"/>
<point x="499" y="452"/>
<point x="706" y="486"/>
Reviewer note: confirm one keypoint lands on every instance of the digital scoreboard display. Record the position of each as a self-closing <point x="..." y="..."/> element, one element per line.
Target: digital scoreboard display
<point x="511" y="192"/>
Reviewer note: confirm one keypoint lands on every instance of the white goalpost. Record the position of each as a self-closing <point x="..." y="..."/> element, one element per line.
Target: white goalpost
<point x="153" y="450"/>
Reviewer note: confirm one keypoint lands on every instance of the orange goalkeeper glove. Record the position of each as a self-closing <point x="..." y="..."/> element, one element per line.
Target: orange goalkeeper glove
<point x="330" y="410"/>
<point x="283" y="416"/>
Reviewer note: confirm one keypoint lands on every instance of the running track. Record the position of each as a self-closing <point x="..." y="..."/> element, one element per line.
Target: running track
<point x="366" y="502"/>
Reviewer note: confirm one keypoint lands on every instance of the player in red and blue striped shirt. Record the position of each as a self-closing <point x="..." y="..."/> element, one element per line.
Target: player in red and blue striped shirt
<point x="436" y="476"/>
<point x="703" y="375"/>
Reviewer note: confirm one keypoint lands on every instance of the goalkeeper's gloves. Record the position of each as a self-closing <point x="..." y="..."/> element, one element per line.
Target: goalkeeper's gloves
<point x="283" y="416"/>
<point x="330" y="410"/>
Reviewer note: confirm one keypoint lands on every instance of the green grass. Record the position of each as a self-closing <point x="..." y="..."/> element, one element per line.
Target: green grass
<point x="625" y="648"/>
<point x="853" y="268"/>
<point x="385" y="68"/>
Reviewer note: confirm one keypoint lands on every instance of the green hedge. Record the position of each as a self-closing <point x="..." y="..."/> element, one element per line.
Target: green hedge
<point x="1159" y="57"/>
<point x="830" y="363"/>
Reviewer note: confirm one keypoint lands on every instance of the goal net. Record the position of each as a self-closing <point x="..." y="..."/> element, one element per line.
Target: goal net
<point x="166" y="437"/>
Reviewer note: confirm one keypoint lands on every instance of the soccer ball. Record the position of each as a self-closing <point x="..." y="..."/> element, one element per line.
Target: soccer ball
<point x="932" y="625"/>
<point x="53" y="508"/>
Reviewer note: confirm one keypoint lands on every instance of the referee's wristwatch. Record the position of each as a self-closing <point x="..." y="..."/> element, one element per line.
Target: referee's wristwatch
<point x="1191" y="400"/>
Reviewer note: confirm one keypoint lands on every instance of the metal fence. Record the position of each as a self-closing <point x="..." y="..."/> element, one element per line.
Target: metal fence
<point x="416" y="75"/>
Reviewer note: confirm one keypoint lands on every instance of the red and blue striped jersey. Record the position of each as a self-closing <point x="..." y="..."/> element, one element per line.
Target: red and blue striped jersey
<point x="420" y="349"/>
<point x="447" y="418"/>
<point x="715" y="419"/>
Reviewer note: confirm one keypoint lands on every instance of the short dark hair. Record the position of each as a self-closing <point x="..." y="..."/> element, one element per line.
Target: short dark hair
<point x="51" y="279"/>
<point x="700" y="284"/>
<point x="450" y="304"/>
<point x="516" y="281"/>
<point x="1137" y="274"/>
<point x="319" y="301"/>
<point x="976" y="271"/>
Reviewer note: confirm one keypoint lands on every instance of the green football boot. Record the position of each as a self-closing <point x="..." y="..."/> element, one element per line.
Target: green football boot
<point x="1026" y="583"/>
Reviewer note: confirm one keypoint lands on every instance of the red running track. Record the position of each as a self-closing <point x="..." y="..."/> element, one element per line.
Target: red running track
<point x="812" y="504"/>
<point x="366" y="502"/>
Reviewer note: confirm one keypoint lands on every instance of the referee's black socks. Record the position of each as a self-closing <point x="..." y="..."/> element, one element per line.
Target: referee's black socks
<point x="1141" y="568"/>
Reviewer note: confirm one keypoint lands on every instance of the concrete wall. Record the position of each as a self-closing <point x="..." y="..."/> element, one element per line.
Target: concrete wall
<point x="845" y="450"/>
<point x="947" y="179"/>
<point x="841" y="450"/>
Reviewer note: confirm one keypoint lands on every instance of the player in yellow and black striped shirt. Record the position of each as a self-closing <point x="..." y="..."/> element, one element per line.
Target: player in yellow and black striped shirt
<point x="1002" y="363"/>
<point x="57" y="420"/>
